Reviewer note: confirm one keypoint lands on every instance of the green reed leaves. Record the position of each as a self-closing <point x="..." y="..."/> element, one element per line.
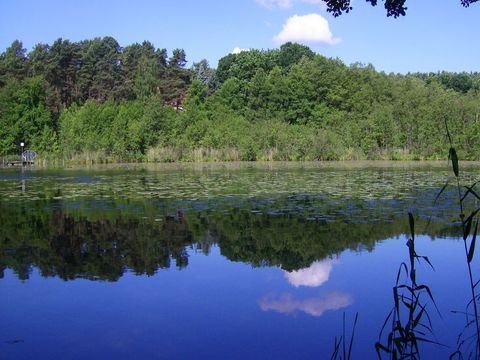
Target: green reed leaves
<point x="468" y="223"/>
<point x="452" y="155"/>
<point x="472" y="244"/>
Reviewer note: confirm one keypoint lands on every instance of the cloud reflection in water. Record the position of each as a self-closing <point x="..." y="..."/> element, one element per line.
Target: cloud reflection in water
<point x="315" y="275"/>
<point x="287" y="304"/>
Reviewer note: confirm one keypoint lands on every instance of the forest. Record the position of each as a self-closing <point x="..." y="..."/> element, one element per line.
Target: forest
<point x="98" y="102"/>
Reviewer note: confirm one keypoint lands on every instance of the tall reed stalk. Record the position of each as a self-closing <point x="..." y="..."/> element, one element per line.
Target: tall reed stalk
<point x="340" y="346"/>
<point x="410" y="320"/>
<point x="469" y="235"/>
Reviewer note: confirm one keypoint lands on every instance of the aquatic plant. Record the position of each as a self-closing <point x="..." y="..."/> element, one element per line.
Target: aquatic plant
<point x="467" y="336"/>
<point x="410" y="321"/>
<point x="341" y="342"/>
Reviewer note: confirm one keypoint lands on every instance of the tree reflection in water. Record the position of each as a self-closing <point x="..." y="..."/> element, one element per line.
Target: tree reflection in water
<point x="77" y="244"/>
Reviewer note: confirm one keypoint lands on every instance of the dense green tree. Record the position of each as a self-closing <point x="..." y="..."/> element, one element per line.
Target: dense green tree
<point x="128" y="130"/>
<point x="62" y="74"/>
<point x="460" y="82"/>
<point x="38" y="60"/>
<point x="175" y="80"/>
<point x="232" y="94"/>
<point x="178" y="58"/>
<point x="245" y="64"/>
<point x="279" y="95"/>
<point x="158" y="122"/>
<point x="102" y="69"/>
<point x="13" y="62"/>
<point x="258" y="97"/>
<point x="224" y="65"/>
<point x="291" y="53"/>
<point x="205" y="74"/>
<point x="147" y="78"/>
<point x="142" y="68"/>
<point x="88" y="128"/>
<point x="24" y="116"/>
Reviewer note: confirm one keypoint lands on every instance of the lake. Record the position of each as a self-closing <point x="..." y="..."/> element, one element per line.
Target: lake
<point x="224" y="261"/>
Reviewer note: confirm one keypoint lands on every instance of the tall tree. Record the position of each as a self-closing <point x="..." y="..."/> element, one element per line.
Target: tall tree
<point x="146" y="78"/>
<point x="205" y="74"/>
<point x="291" y="53"/>
<point x="64" y="61"/>
<point x="23" y="115"/>
<point x="102" y="69"/>
<point x="13" y="62"/>
<point x="178" y="58"/>
<point x="136" y="59"/>
<point x="175" y="80"/>
<point x="37" y="60"/>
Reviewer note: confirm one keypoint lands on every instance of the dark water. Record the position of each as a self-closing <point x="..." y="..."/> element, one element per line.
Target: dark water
<point x="221" y="261"/>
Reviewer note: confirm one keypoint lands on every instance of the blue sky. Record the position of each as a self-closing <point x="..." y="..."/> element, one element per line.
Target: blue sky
<point x="435" y="34"/>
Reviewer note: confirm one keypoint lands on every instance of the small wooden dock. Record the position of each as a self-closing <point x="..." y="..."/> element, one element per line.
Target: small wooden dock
<point x="6" y="163"/>
<point x="25" y="159"/>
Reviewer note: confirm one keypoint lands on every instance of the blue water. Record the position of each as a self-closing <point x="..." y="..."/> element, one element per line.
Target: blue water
<point x="94" y="268"/>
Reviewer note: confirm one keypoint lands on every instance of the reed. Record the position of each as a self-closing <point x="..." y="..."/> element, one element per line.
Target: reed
<point x="340" y="345"/>
<point x="468" y="341"/>
<point x="410" y="321"/>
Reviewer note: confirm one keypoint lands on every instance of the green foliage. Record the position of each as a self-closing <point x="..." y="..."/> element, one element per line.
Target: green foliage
<point x="13" y="63"/>
<point x="158" y="121"/>
<point x="23" y="114"/>
<point x="127" y="131"/>
<point x="87" y="128"/>
<point x="283" y="104"/>
<point x="291" y="53"/>
<point x="206" y="75"/>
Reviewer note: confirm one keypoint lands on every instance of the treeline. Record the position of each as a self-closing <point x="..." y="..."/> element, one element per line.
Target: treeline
<point x="94" y="99"/>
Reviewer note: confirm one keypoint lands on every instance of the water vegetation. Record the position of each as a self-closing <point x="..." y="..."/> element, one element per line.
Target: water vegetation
<point x="469" y="338"/>
<point x="411" y="323"/>
<point x="98" y="224"/>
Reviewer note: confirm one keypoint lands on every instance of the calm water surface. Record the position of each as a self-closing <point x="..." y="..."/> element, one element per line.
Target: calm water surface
<point x="221" y="261"/>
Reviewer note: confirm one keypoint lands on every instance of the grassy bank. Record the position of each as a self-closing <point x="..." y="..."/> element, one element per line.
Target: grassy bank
<point x="206" y="154"/>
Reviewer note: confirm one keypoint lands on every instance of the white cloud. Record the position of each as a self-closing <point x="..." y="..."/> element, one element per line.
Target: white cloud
<point x="315" y="2"/>
<point x="287" y="4"/>
<point x="306" y="29"/>
<point x="315" y="275"/>
<point x="270" y="4"/>
<point x="238" y="50"/>
<point x="320" y="3"/>
<point x="286" y="304"/>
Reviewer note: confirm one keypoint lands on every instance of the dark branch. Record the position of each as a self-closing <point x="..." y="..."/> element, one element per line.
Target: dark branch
<point x="394" y="8"/>
<point x="338" y="7"/>
<point x="466" y="3"/>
